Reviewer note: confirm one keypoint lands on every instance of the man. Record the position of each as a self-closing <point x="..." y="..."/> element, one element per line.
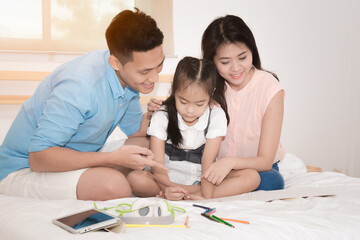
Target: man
<point x="52" y="148"/>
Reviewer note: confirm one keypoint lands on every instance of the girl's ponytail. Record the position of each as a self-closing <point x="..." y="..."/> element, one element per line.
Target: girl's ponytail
<point x="173" y="130"/>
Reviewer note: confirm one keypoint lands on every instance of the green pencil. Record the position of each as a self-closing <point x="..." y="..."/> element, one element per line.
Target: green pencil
<point x="221" y="221"/>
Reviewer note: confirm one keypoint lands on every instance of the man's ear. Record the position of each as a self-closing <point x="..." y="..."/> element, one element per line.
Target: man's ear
<point x="115" y="63"/>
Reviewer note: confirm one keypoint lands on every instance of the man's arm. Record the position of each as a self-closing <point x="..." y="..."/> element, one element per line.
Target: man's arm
<point x="153" y="105"/>
<point x="142" y="132"/>
<point x="59" y="159"/>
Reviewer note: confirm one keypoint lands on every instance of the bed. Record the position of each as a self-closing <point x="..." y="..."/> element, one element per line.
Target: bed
<point x="313" y="205"/>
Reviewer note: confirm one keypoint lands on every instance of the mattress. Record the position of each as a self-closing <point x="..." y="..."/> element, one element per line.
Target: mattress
<point x="317" y="205"/>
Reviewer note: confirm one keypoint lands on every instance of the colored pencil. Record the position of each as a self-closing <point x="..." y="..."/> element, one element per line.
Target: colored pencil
<point x="154" y="225"/>
<point x="186" y="221"/>
<point x="235" y="220"/>
<point x="163" y="182"/>
<point x="158" y="179"/>
<point x="200" y="206"/>
<point x="208" y="217"/>
<point x="221" y="221"/>
<point x="210" y="211"/>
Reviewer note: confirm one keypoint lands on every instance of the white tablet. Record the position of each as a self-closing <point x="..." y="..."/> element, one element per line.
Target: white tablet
<point x="86" y="221"/>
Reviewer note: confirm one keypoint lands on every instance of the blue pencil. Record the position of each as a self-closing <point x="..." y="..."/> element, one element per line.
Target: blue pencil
<point x="196" y="205"/>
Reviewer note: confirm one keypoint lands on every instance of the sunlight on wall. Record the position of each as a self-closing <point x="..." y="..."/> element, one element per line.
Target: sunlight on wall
<point x="81" y="20"/>
<point x="57" y="25"/>
<point x="21" y="22"/>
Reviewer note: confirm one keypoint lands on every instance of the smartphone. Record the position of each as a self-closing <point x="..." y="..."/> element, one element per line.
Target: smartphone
<point x="87" y="221"/>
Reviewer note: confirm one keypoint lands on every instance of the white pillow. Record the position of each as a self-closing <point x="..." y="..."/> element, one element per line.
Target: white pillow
<point x="291" y="164"/>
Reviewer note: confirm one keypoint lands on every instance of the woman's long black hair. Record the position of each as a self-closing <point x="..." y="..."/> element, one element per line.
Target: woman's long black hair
<point x="225" y="30"/>
<point x="191" y="71"/>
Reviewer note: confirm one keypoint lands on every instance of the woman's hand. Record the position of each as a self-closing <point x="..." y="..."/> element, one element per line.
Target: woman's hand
<point x="213" y="103"/>
<point x="218" y="170"/>
<point x="152" y="106"/>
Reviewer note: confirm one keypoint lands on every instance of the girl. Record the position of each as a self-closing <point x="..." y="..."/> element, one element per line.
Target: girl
<point x="186" y="135"/>
<point x="255" y="102"/>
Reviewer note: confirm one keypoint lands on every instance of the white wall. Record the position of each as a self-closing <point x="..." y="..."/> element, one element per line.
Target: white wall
<point x="313" y="47"/>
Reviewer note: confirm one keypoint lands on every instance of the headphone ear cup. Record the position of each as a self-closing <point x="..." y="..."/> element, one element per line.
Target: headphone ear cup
<point x="161" y="208"/>
<point x="143" y="208"/>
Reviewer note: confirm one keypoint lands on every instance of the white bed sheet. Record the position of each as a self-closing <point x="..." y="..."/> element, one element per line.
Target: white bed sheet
<point x="335" y="217"/>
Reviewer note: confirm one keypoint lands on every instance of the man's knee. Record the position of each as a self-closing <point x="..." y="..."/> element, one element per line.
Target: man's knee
<point x="117" y="187"/>
<point x="103" y="184"/>
<point x="142" y="185"/>
<point x="137" y="180"/>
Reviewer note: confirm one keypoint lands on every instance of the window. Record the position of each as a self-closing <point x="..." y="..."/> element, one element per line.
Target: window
<point x="71" y="26"/>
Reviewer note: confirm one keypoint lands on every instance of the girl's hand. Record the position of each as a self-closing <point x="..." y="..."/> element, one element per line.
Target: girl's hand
<point x="160" y="195"/>
<point x="218" y="170"/>
<point x="186" y="197"/>
<point x="174" y="193"/>
<point x="152" y="106"/>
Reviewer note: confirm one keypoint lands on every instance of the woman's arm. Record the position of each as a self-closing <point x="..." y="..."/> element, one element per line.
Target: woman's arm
<point x="268" y="145"/>
<point x="269" y="137"/>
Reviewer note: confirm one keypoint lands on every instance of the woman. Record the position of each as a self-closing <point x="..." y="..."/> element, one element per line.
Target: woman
<point x="255" y="103"/>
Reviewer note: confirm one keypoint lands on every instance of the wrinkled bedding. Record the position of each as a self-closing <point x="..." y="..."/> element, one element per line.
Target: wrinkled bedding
<point x="319" y="205"/>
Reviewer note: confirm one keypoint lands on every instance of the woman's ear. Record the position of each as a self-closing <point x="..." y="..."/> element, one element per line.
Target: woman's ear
<point x="115" y="63"/>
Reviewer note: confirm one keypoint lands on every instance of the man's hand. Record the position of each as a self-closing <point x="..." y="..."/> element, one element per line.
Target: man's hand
<point x="152" y="106"/>
<point x="137" y="158"/>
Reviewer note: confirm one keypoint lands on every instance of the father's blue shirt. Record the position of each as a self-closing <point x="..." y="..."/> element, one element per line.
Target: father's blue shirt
<point x="76" y="107"/>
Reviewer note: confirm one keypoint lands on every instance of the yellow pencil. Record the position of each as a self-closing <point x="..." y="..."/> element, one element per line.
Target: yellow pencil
<point x="154" y="225"/>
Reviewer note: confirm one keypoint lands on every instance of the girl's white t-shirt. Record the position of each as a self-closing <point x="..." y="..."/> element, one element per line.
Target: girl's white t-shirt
<point x="193" y="136"/>
<point x="183" y="172"/>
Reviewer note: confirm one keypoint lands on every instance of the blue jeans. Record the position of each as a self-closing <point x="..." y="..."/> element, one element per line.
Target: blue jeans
<point x="271" y="180"/>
